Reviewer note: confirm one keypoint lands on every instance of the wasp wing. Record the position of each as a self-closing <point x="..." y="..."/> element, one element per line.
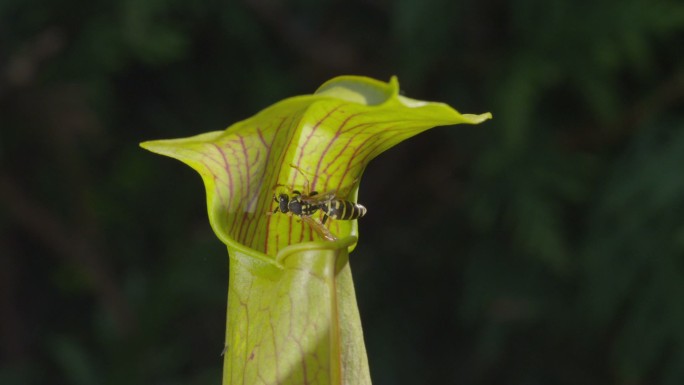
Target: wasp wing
<point x="319" y="228"/>
<point x="320" y="198"/>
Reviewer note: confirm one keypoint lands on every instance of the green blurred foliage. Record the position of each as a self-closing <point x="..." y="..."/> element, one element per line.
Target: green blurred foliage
<point x="543" y="247"/>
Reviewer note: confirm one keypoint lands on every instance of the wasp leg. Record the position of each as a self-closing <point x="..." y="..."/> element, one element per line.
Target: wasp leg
<point x="325" y="218"/>
<point x="281" y="185"/>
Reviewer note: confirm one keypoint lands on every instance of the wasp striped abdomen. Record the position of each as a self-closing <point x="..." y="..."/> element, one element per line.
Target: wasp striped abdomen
<point x="342" y="210"/>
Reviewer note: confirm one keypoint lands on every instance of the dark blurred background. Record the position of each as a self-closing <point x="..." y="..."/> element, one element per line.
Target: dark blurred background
<point x="543" y="247"/>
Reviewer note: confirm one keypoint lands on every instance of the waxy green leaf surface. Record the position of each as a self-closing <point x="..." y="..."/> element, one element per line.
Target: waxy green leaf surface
<point x="292" y="314"/>
<point x="297" y="323"/>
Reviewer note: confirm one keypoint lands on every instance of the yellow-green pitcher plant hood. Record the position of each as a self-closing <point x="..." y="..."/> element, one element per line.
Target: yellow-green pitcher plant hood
<point x="292" y="312"/>
<point x="320" y="142"/>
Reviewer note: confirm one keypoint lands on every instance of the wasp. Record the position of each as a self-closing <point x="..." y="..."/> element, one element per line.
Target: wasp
<point x="306" y="205"/>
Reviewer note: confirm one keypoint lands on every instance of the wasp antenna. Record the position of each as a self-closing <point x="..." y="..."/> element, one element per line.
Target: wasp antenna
<point x="286" y="187"/>
<point x="299" y="169"/>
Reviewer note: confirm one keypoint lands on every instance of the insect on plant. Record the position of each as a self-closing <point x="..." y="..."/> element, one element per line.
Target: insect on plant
<point x="307" y="204"/>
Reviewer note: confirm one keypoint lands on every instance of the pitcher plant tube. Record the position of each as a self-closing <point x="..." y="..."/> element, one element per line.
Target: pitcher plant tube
<point x="282" y="187"/>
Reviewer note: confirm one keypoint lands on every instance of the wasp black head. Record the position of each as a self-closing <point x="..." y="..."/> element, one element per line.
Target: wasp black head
<point x="282" y="200"/>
